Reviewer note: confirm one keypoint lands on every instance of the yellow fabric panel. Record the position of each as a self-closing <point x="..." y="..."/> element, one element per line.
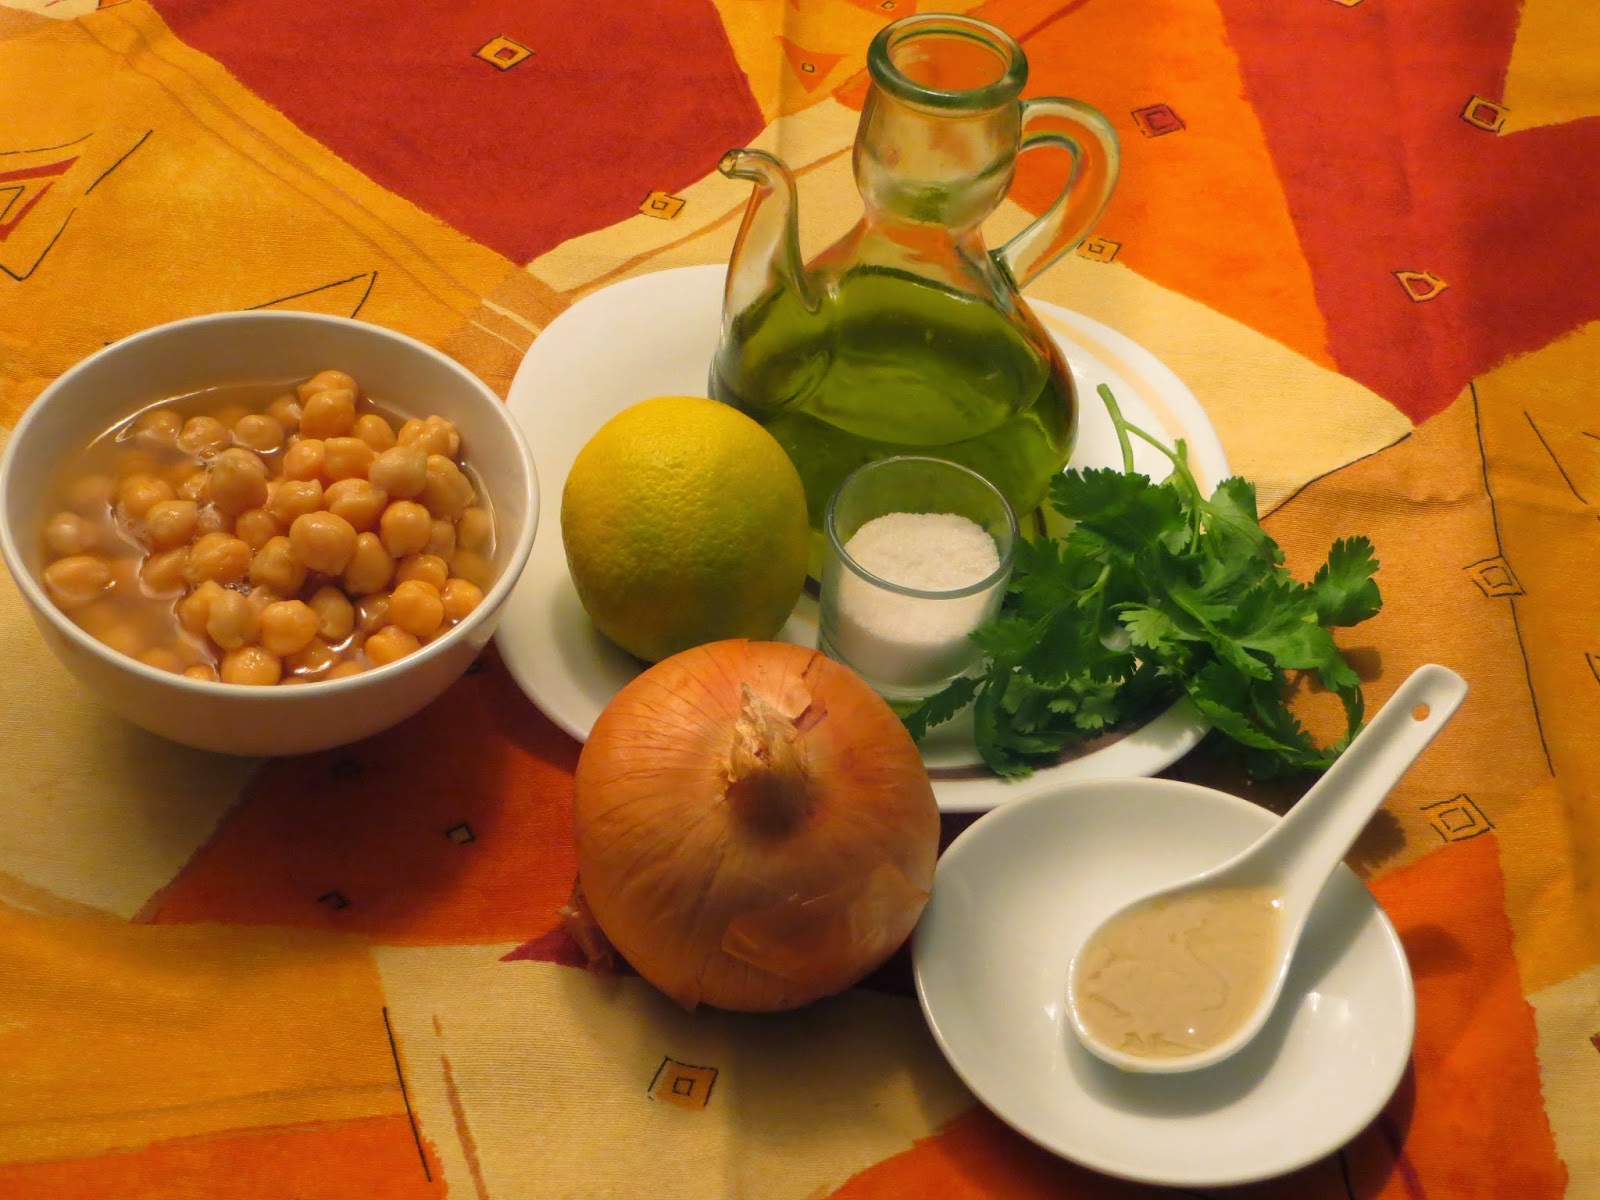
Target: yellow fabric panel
<point x="117" y="1036"/>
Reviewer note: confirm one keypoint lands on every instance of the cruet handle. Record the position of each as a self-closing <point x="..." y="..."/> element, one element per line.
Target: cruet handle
<point x="1086" y="135"/>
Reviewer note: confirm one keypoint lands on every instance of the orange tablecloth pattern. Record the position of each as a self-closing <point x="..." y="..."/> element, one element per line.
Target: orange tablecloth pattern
<point x="1366" y="233"/>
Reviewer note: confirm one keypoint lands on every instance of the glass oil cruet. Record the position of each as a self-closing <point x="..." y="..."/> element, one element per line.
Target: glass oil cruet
<point x="908" y="335"/>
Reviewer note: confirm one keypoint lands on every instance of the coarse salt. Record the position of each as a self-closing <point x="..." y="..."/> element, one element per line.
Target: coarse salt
<point x="913" y="641"/>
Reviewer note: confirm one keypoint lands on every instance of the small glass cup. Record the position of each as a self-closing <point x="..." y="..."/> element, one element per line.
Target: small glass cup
<point x="909" y="636"/>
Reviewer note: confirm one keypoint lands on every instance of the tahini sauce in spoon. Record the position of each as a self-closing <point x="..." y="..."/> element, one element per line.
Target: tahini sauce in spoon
<point x="1181" y="972"/>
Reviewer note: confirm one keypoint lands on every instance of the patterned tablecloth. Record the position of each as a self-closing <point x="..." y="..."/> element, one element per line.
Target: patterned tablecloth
<point x="1366" y="233"/>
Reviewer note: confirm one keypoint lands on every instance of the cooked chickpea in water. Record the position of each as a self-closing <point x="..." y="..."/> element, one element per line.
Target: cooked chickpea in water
<point x="369" y="569"/>
<point x="269" y="535"/>
<point x="259" y="432"/>
<point x="357" y="501"/>
<point x="375" y="432"/>
<point x="67" y="533"/>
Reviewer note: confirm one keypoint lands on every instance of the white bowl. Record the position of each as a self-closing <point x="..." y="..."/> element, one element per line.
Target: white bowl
<point x="1014" y="897"/>
<point x="203" y="352"/>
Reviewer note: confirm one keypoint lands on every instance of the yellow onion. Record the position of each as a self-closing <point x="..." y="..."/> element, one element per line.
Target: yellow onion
<point x="755" y="828"/>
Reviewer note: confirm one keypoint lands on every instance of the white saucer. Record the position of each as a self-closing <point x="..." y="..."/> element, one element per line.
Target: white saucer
<point x="655" y="335"/>
<point x="1016" y="894"/>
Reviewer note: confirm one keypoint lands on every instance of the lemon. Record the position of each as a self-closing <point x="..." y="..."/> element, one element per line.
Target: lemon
<point x="684" y="522"/>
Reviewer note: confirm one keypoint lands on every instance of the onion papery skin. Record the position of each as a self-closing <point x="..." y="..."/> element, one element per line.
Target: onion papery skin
<point x="773" y="891"/>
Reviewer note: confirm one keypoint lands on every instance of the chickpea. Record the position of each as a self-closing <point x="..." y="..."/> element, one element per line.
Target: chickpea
<point x="460" y="598"/>
<point x="441" y="540"/>
<point x="137" y="462"/>
<point x="428" y="568"/>
<point x="336" y="616"/>
<point x="180" y="473"/>
<point x="304" y="459"/>
<point x="452" y="435"/>
<point x="344" y="670"/>
<point x="390" y="643"/>
<point x="312" y="659"/>
<point x="370" y="566"/>
<point x="448" y="492"/>
<point x="473" y="567"/>
<point x="261" y="598"/>
<point x="287" y="627"/>
<point x="238" y="481"/>
<point x="251" y="665"/>
<point x="76" y="580"/>
<point x="125" y="638"/>
<point x="329" y="413"/>
<point x="276" y="567"/>
<point x="374" y="431"/>
<point x="192" y="651"/>
<point x="255" y="527"/>
<point x="162" y="659"/>
<point x="415" y="607"/>
<point x="137" y="493"/>
<point x="194" y="610"/>
<point x="97" y="617"/>
<point x="475" y="529"/>
<point x="294" y="498"/>
<point x="93" y="495"/>
<point x="435" y="435"/>
<point x="401" y="471"/>
<point x="196" y="487"/>
<point x="157" y="429"/>
<point x="285" y="410"/>
<point x="162" y="573"/>
<point x="201" y="671"/>
<point x="322" y="541"/>
<point x="68" y="533"/>
<point x="346" y="458"/>
<point x="230" y="415"/>
<point x="324" y="380"/>
<point x="372" y="612"/>
<point x="246" y="458"/>
<point x="203" y="436"/>
<point x="171" y="523"/>
<point x="232" y="620"/>
<point x="259" y="432"/>
<point x="357" y="501"/>
<point x="218" y="556"/>
<point x="405" y="528"/>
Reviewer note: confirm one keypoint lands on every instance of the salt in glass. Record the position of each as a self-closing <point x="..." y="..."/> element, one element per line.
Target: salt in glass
<point x="906" y="642"/>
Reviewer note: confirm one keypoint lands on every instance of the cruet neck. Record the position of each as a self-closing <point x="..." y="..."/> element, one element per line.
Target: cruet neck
<point x="940" y="127"/>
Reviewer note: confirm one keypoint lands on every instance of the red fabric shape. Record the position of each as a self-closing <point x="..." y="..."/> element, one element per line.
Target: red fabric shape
<point x="1362" y="109"/>
<point x="508" y="156"/>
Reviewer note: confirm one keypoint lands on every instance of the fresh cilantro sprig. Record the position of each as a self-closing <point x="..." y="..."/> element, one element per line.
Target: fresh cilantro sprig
<point x="1159" y="591"/>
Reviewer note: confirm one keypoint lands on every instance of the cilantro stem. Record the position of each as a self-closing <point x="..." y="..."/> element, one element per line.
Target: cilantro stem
<point x="1180" y="462"/>
<point x="1179" y="459"/>
<point x="1120" y="426"/>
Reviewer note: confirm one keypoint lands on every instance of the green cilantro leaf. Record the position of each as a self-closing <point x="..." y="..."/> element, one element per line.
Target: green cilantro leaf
<point x="1230" y="525"/>
<point x="1148" y="627"/>
<point x="1344" y="590"/>
<point x="1128" y="511"/>
<point x="941" y="706"/>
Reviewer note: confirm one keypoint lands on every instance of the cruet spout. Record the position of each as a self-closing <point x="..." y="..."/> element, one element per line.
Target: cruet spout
<point x="766" y="254"/>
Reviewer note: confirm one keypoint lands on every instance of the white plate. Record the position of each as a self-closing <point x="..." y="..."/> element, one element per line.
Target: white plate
<point x="1016" y="894"/>
<point x="655" y="335"/>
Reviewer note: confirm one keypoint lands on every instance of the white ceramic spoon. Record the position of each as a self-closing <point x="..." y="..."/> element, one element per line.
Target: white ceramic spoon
<point x="1294" y="860"/>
